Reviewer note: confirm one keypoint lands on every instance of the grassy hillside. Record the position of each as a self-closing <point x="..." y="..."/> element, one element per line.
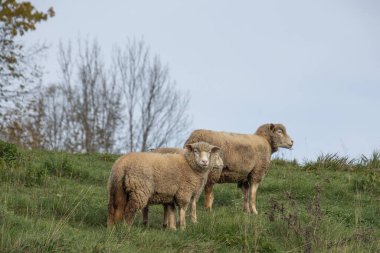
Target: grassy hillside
<point x="57" y="202"/>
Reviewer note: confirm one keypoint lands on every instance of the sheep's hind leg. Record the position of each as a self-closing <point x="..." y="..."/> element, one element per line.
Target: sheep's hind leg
<point x="209" y="196"/>
<point x="116" y="208"/>
<point x="136" y="201"/>
<point x="253" y="189"/>
<point x="145" y="215"/>
<point x="165" y="217"/>
<point x="111" y="216"/>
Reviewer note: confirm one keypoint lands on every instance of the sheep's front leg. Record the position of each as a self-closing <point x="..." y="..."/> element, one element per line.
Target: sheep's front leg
<point x="182" y="220"/>
<point x="209" y="196"/>
<point x="194" y="210"/>
<point x="253" y="189"/>
<point x="171" y="216"/>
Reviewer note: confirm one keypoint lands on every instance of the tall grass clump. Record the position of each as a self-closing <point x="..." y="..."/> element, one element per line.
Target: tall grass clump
<point x="59" y="165"/>
<point x="372" y="162"/>
<point x="369" y="179"/>
<point x="17" y="167"/>
<point x="331" y="162"/>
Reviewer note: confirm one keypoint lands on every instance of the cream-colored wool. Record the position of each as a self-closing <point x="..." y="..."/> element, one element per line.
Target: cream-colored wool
<point x="140" y="179"/>
<point x="246" y="158"/>
<point x="213" y="175"/>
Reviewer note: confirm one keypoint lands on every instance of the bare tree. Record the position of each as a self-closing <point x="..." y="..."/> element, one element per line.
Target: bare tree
<point x="155" y="111"/>
<point x="54" y="104"/>
<point x="93" y="102"/>
<point x="85" y="111"/>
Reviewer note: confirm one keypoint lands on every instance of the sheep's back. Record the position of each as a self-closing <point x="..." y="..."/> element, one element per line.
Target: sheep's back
<point x="240" y="152"/>
<point x="157" y="173"/>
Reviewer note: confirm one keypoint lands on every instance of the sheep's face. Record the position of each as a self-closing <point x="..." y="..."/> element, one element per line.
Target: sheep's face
<point x="217" y="161"/>
<point x="279" y="136"/>
<point x="202" y="153"/>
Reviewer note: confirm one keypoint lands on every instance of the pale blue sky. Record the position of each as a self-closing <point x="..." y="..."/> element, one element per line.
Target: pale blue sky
<point x="311" y="65"/>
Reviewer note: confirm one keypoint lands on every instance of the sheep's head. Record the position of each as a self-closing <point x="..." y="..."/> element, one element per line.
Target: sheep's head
<point x="276" y="135"/>
<point x="216" y="161"/>
<point x="201" y="155"/>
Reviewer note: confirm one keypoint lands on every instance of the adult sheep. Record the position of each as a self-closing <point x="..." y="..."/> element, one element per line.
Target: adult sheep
<point x="216" y="163"/>
<point x="140" y="179"/>
<point x="246" y="158"/>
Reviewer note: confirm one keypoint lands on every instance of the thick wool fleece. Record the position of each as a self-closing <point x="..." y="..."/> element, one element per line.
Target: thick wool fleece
<point x="153" y="178"/>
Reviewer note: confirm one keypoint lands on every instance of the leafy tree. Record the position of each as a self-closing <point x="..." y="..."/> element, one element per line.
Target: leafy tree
<point x="18" y="70"/>
<point x="21" y="17"/>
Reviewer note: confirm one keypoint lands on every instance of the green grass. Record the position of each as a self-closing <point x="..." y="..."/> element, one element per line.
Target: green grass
<point x="57" y="202"/>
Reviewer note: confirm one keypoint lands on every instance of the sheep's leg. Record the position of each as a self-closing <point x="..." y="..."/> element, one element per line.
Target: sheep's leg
<point x="130" y="216"/>
<point x="182" y="220"/>
<point x="253" y="189"/>
<point x="171" y="214"/>
<point x="165" y="217"/>
<point x="245" y="191"/>
<point x="136" y="201"/>
<point x="209" y="196"/>
<point x="145" y="215"/>
<point x="116" y="207"/>
<point x="111" y="216"/>
<point x="116" y="214"/>
<point x="194" y="210"/>
<point x="119" y="214"/>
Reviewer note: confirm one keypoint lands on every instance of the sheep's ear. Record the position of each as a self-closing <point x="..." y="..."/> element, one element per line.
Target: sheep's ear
<point x="215" y="149"/>
<point x="189" y="147"/>
<point x="271" y="127"/>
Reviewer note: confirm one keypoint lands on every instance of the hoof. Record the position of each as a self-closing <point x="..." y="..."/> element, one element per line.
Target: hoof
<point x="253" y="210"/>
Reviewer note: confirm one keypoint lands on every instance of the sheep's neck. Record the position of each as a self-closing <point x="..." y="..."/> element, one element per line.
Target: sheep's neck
<point x="272" y="145"/>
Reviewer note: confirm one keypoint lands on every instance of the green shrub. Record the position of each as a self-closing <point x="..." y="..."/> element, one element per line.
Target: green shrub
<point x="60" y="166"/>
<point x="8" y="151"/>
<point x="369" y="182"/>
<point x="35" y="175"/>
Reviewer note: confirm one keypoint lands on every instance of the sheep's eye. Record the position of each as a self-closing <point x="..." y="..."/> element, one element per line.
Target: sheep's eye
<point x="196" y="151"/>
<point x="279" y="131"/>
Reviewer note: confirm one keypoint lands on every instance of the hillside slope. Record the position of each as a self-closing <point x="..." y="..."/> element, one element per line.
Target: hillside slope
<point x="57" y="202"/>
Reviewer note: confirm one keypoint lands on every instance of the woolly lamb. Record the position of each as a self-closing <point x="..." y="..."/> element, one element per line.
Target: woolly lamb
<point x="246" y="158"/>
<point x="139" y="179"/>
<point x="216" y="163"/>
